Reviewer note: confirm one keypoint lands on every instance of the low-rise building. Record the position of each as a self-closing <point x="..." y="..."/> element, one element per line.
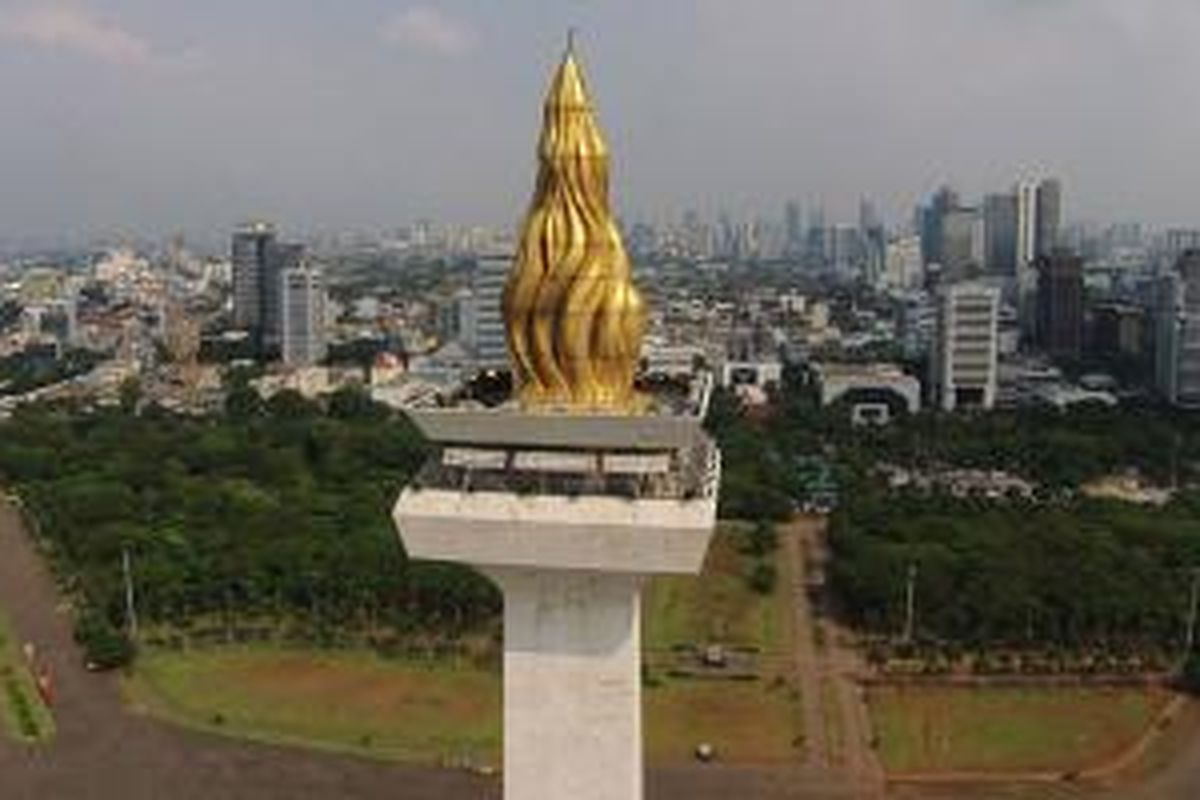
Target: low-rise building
<point x="875" y="393"/>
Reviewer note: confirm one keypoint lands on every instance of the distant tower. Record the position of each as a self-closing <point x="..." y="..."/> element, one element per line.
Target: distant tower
<point x="1039" y="217"/>
<point x="303" y="320"/>
<point x="487" y="338"/>
<point x="570" y="495"/>
<point x="259" y="261"/>
<point x="965" y="354"/>
<point x="1060" y="304"/>
<point x="251" y="250"/>
<point x="1000" y="235"/>
<point x="1177" y="367"/>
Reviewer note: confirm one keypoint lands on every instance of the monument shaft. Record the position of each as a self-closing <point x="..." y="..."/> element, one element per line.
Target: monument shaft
<point x="572" y="672"/>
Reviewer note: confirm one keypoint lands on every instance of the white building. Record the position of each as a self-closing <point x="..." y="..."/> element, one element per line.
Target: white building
<point x="303" y="317"/>
<point x="1177" y="358"/>
<point x="874" y="392"/>
<point x="487" y="336"/>
<point x="966" y="346"/>
<point x="904" y="267"/>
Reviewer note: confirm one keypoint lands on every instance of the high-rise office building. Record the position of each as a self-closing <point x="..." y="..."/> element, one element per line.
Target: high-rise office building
<point x="282" y="257"/>
<point x="302" y="311"/>
<point x="1039" y="216"/>
<point x="1049" y="216"/>
<point x="1059" y="326"/>
<point x="903" y="265"/>
<point x="1177" y="367"/>
<point x="250" y="253"/>
<point x="259" y="261"/>
<point x="1000" y="234"/>
<point x="1178" y="241"/>
<point x="961" y="240"/>
<point x="793" y="229"/>
<point x="456" y="319"/>
<point x="1119" y="330"/>
<point x="1027" y="227"/>
<point x="874" y="241"/>
<point x="932" y="216"/>
<point x="964" y="362"/>
<point x="490" y="342"/>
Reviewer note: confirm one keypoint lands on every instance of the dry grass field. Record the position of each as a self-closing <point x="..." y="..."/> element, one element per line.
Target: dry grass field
<point x="1007" y="730"/>
<point x="350" y="701"/>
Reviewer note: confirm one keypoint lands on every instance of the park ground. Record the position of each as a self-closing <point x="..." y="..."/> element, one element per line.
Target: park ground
<point x="102" y="750"/>
<point x="448" y="711"/>
<point x="1009" y="729"/>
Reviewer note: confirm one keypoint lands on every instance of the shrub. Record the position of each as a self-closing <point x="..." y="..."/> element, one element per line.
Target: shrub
<point x="762" y="577"/>
<point x="104" y="647"/>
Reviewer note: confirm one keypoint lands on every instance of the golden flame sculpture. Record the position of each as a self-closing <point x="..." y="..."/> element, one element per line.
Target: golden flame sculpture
<point x="574" y="318"/>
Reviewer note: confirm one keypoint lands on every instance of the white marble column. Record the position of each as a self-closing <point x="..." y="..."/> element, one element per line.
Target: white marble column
<point x="572" y="684"/>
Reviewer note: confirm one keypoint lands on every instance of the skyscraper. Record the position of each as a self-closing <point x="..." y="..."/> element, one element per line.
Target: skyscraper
<point x="282" y="257"/>
<point x="1027" y="227"/>
<point x="874" y="241"/>
<point x="1060" y="304"/>
<point x="250" y="252"/>
<point x="1049" y="216"/>
<point x="302" y="310"/>
<point x="1039" y="216"/>
<point x="490" y="346"/>
<point x="961" y="243"/>
<point x="964" y="370"/>
<point x="933" y="216"/>
<point x="259" y="261"/>
<point x="793" y="229"/>
<point x="1177" y="367"/>
<point x="903" y="266"/>
<point x="1000" y="234"/>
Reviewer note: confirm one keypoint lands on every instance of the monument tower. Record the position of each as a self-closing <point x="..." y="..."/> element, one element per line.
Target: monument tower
<point x="574" y="491"/>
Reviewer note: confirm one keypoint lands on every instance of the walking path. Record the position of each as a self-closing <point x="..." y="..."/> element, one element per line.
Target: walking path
<point x="828" y="666"/>
<point x="808" y="668"/>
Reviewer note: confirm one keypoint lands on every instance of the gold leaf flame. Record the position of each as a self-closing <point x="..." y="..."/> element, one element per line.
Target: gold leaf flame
<point x="574" y="318"/>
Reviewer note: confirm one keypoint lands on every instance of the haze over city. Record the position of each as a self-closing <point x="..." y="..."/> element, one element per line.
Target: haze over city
<point x="140" y="116"/>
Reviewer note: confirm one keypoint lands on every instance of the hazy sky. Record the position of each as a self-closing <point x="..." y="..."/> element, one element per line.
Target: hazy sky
<point x="157" y="115"/>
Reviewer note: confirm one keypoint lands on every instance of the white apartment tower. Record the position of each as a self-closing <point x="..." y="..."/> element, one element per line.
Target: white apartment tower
<point x="1177" y="359"/>
<point x="303" y="322"/>
<point x="487" y="335"/>
<point x="966" y="346"/>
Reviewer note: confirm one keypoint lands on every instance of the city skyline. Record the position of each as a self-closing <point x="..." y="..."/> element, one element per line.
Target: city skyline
<point x="151" y="117"/>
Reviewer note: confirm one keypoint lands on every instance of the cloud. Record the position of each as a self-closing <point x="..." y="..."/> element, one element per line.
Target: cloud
<point x="427" y="29"/>
<point x="71" y="28"/>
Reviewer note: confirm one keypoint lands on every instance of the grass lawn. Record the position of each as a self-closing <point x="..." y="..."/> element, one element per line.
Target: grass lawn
<point x="341" y="700"/>
<point x="23" y="716"/>
<point x="1002" y="729"/>
<point x="746" y="722"/>
<point x="717" y="606"/>
<point x="439" y="712"/>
